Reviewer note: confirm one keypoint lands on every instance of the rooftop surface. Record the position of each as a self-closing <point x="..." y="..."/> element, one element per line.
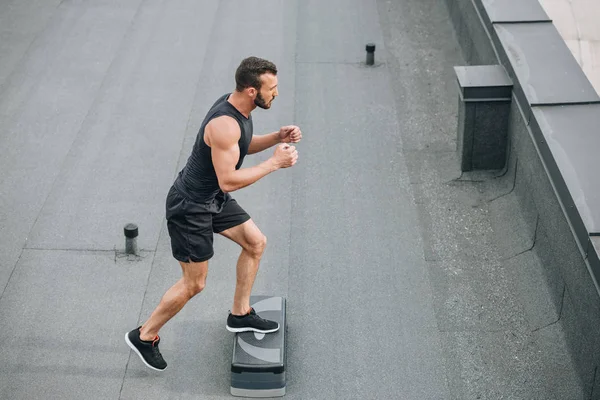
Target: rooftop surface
<point x="403" y="278"/>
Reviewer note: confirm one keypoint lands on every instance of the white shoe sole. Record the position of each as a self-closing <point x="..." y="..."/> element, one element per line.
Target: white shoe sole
<point x="247" y="329"/>
<point x="139" y="354"/>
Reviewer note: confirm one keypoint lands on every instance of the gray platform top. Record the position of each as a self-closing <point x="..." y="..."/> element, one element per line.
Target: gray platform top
<point x="514" y="11"/>
<point x="260" y="352"/>
<point x="547" y="71"/>
<point x="571" y="133"/>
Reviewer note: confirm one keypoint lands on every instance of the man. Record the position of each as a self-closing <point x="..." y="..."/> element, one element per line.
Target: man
<point x="199" y="204"/>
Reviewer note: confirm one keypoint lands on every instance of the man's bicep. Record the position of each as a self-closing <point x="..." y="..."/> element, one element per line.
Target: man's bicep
<point x="225" y="151"/>
<point x="225" y="158"/>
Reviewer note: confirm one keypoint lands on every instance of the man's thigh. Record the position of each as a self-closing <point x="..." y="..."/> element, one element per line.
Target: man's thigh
<point x="246" y="235"/>
<point x="231" y="215"/>
<point x="235" y="224"/>
<point x="190" y="230"/>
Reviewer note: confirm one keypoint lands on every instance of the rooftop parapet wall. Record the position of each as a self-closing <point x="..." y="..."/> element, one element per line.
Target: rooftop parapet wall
<point x="552" y="140"/>
<point x="560" y="106"/>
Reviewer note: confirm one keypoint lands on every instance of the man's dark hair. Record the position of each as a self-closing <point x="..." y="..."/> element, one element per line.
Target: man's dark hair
<point x="249" y="71"/>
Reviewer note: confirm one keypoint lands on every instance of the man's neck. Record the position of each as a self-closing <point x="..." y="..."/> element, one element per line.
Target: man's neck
<point x="241" y="104"/>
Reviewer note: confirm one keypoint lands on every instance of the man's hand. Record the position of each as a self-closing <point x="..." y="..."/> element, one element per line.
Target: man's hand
<point x="290" y="134"/>
<point x="285" y="156"/>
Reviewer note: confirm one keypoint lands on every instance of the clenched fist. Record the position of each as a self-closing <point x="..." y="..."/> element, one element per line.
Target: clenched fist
<point x="285" y="156"/>
<point x="290" y="134"/>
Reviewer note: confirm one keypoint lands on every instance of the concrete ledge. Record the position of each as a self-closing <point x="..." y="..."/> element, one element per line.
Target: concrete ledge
<point x="544" y="70"/>
<point x="511" y="11"/>
<point x="567" y="137"/>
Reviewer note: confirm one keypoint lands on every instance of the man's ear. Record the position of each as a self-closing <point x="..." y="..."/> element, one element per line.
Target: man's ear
<point x="252" y="92"/>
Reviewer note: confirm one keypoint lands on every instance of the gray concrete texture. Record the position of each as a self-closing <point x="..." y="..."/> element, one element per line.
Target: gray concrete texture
<point x="404" y="278"/>
<point x="473" y="39"/>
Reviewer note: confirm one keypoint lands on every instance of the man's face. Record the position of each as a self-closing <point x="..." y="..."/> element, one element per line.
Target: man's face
<point x="267" y="92"/>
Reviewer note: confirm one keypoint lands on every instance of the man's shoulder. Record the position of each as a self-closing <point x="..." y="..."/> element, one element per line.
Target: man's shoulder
<point x="223" y="129"/>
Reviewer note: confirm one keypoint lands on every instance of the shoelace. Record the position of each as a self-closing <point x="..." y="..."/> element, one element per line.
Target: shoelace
<point x="155" y="352"/>
<point x="255" y="316"/>
<point x="258" y="317"/>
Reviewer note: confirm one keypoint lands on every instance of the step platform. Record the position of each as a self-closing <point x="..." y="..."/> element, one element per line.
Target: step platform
<point x="259" y="360"/>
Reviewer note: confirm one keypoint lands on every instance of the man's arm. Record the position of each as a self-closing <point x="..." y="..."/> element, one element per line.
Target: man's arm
<point x="263" y="142"/>
<point x="222" y="135"/>
<point x="287" y="134"/>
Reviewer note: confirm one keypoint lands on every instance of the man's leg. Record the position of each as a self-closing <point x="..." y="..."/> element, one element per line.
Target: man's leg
<point x="191" y="283"/>
<point x="144" y="340"/>
<point x="253" y="244"/>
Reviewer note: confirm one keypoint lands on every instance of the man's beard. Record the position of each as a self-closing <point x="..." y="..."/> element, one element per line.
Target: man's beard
<point x="260" y="102"/>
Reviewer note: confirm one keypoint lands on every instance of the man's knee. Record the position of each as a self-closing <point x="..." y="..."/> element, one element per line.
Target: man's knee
<point x="194" y="287"/>
<point x="257" y="244"/>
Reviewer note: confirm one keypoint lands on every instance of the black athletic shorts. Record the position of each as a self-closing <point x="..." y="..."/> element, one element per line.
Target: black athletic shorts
<point x="191" y="225"/>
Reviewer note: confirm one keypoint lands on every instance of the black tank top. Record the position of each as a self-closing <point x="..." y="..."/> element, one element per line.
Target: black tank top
<point x="198" y="181"/>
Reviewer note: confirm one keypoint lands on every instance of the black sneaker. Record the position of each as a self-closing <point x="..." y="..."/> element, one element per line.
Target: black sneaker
<point x="250" y="322"/>
<point x="147" y="350"/>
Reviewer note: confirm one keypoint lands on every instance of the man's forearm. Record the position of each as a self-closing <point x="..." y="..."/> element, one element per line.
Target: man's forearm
<point x="263" y="142"/>
<point x="247" y="176"/>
